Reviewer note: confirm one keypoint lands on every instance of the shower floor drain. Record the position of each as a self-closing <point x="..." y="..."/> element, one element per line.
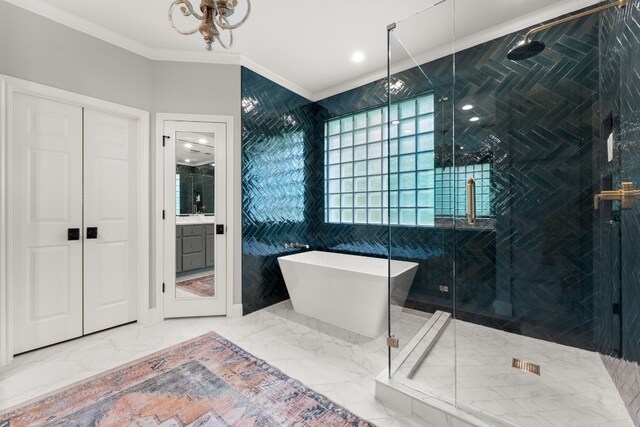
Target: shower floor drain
<point x="532" y="368"/>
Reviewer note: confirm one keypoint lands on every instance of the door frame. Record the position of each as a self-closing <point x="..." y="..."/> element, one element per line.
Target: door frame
<point x="233" y="310"/>
<point x="8" y="87"/>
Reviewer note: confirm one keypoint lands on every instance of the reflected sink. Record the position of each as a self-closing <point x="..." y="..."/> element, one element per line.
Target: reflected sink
<point x="196" y="219"/>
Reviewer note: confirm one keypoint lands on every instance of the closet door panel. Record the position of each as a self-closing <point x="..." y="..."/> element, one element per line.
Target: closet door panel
<point x="109" y="267"/>
<point x="46" y="188"/>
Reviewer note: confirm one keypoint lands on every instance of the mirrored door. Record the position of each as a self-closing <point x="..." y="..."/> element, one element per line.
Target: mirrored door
<point x="195" y="235"/>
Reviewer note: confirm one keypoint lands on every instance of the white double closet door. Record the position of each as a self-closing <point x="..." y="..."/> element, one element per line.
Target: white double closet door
<point x="73" y="215"/>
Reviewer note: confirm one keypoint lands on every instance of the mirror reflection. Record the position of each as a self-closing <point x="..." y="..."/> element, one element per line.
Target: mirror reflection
<point x="195" y="215"/>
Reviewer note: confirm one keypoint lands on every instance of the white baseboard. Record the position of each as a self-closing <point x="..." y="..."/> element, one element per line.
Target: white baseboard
<point x="236" y="311"/>
<point x="153" y="315"/>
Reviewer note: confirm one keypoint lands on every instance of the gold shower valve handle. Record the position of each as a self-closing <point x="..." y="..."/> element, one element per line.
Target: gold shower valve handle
<point x="627" y="196"/>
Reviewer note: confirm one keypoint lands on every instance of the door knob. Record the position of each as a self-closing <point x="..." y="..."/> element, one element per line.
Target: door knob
<point x="626" y="195"/>
<point x="73" y="234"/>
<point x="92" y="232"/>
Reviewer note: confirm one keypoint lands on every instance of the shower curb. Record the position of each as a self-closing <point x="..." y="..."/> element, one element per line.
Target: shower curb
<point x="429" y="411"/>
<point x="400" y="396"/>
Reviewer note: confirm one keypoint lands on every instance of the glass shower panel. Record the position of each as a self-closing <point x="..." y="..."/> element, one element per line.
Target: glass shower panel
<point x="420" y="197"/>
<point x="537" y="268"/>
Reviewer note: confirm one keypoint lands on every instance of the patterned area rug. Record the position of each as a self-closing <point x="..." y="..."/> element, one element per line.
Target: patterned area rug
<point x="207" y="381"/>
<point x="202" y="286"/>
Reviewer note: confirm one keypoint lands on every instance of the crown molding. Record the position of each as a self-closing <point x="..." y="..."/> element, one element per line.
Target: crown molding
<point x="220" y="58"/>
<point x="49" y="11"/>
<point x="228" y="59"/>
<point x="350" y="84"/>
<point x="492" y="33"/>
<point x="53" y="13"/>
<point x="276" y="78"/>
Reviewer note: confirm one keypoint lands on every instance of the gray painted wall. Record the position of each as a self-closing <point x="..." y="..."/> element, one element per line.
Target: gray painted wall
<point x="191" y="88"/>
<point x="39" y="50"/>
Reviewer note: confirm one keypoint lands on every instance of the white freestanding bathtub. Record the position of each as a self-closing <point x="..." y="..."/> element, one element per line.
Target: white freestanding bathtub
<point x="349" y="291"/>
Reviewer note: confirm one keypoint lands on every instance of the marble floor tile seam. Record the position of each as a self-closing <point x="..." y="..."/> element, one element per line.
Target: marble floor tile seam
<point x="531" y="406"/>
<point x="510" y="380"/>
<point x="575" y="417"/>
<point x="525" y="405"/>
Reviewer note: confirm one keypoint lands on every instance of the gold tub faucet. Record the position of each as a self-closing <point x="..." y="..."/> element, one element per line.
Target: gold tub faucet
<point x="626" y="195"/>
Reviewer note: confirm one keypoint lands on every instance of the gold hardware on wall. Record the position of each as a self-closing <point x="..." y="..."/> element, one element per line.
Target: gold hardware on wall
<point x="626" y="195"/>
<point x="532" y="368"/>
<point x="471" y="201"/>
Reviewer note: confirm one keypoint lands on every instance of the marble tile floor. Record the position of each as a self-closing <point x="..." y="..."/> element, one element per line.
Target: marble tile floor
<point x="574" y="388"/>
<point x="337" y="363"/>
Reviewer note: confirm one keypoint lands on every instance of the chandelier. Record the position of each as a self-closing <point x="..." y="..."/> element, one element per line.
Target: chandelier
<point x="214" y="18"/>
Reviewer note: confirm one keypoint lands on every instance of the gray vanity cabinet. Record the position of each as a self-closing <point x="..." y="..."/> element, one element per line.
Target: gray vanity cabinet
<point x="210" y="245"/>
<point x="178" y="249"/>
<point x="194" y="247"/>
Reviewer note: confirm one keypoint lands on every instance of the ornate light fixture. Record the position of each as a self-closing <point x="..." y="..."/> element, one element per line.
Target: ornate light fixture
<point x="215" y="17"/>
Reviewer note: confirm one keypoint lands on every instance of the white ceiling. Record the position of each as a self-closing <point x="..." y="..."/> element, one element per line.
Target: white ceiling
<point x="306" y="45"/>
<point x="195" y="149"/>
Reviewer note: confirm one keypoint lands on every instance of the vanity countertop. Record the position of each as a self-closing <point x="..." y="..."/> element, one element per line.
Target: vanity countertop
<point x="195" y="219"/>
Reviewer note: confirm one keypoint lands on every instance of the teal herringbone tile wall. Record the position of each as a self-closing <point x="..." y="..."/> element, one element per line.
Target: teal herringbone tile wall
<point x="277" y="167"/>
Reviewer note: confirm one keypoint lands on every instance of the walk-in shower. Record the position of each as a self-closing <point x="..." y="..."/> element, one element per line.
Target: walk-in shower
<point x="523" y="310"/>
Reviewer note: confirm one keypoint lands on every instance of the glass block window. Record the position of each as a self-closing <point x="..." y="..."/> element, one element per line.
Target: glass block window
<point x="451" y="190"/>
<point x="178" y="194"/>
<point x="365" y="177"/>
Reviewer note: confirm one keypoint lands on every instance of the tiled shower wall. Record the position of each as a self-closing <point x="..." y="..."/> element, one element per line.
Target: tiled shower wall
<point x="534" y="265"/>
<point x="532" y="272"/>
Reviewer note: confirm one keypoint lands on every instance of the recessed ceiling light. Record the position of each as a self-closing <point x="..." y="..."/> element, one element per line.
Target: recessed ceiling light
<point x="202" y="141"/>
<point x="467" y="107"/>
<point x="187" y="161"/>
<point x="188" y="145"/>
<point x="474" y="119"/>
<point x="357" y="56"/>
